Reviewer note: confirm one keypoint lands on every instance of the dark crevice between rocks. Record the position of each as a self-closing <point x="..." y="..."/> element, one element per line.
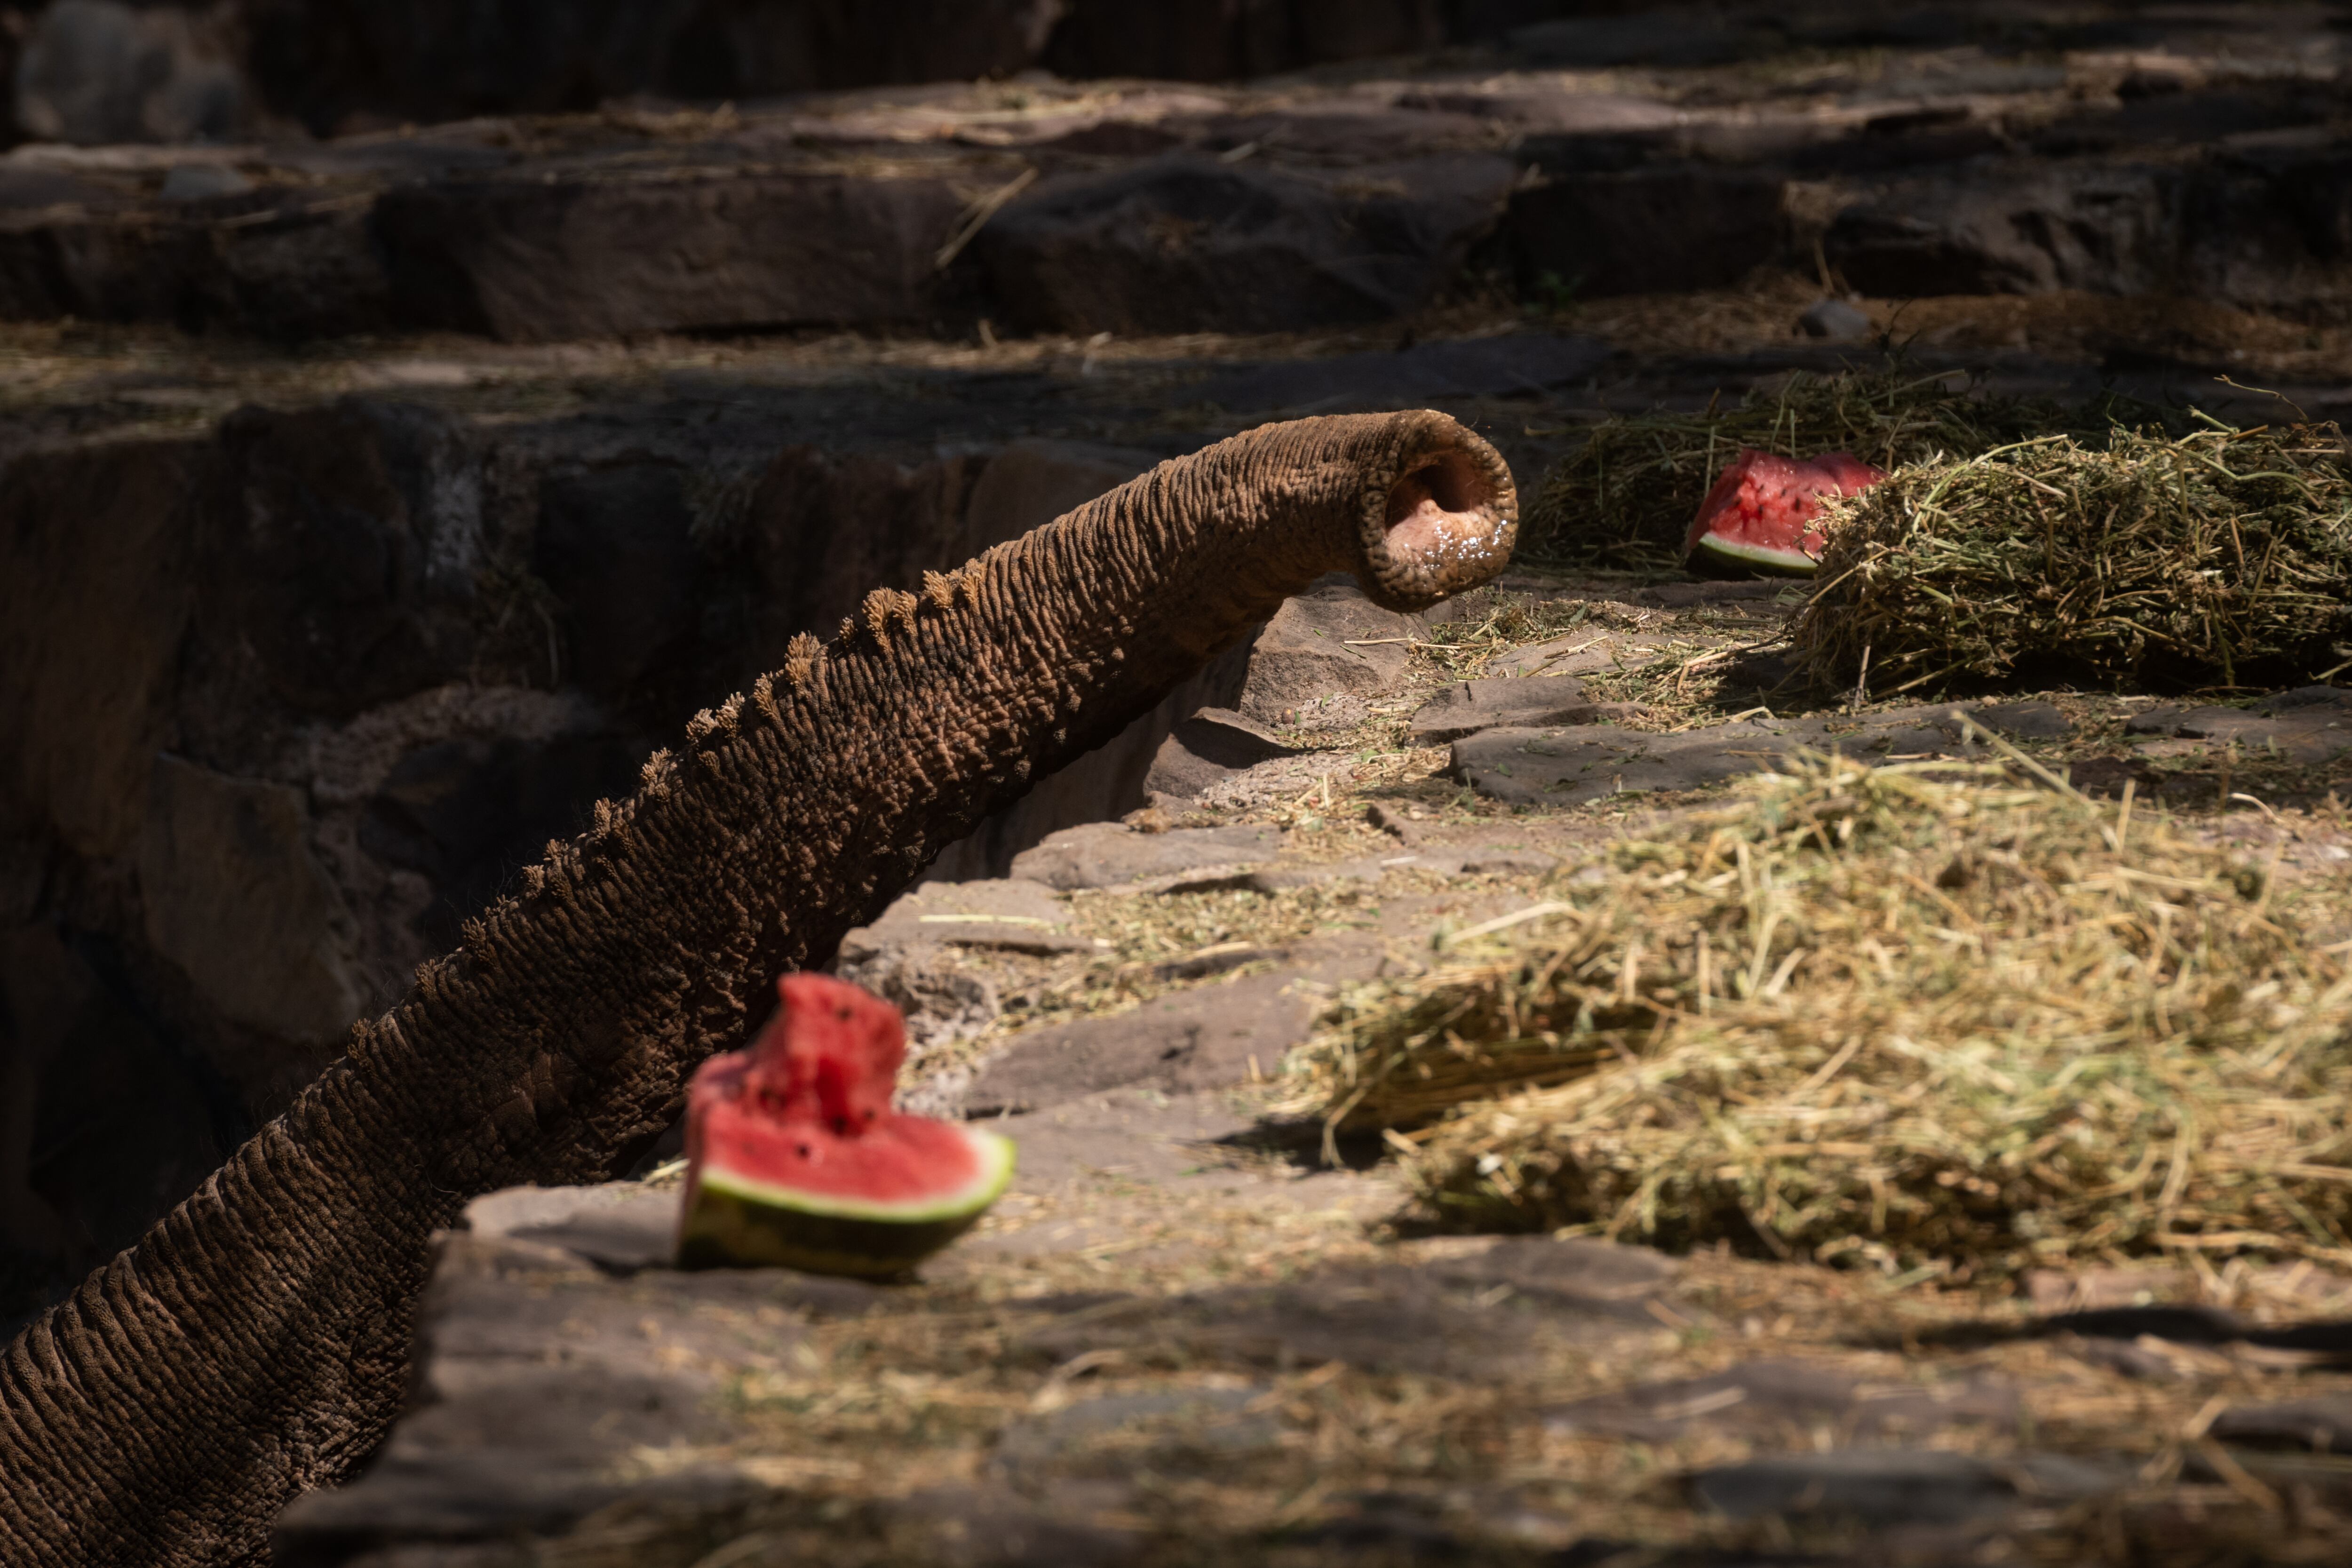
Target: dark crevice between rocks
<point x="1300" y="1143"/>
<point x="127" y="1115"/>
<point x="2325" y="1342"/>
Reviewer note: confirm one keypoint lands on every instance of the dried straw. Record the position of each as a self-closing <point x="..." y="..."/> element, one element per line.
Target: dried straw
<point x="1919" y="1014"/>
<point x="1626" y="496"/>
<point x="2221" y="557"/>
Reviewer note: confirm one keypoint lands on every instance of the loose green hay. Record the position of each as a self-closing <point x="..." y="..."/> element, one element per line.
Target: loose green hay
<point x="1625" y="498"/>
<point x="1915" y="1017"/>
<point x="2220" y="557"/>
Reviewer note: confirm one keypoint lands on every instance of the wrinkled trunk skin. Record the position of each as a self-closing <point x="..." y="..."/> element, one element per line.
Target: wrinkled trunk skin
<point x="254" y="1343"/>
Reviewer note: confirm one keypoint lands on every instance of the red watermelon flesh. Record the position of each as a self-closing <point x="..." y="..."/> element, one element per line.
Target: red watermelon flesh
<point x="829" y="1054"/>
<point x="794" y="1156"/>
<point x="1761" y="516"/>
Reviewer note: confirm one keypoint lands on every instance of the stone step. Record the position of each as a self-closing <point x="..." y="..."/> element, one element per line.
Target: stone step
<point x="1903" y="169"/>
<point x="1168" y="1330"/>
<point x="1569" y="763"/>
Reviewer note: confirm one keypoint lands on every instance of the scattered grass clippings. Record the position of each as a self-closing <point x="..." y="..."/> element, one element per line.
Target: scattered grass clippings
<point x="1153" y="944"/>
<point x="1920" y="1016"/>
<point x="1626" y="496"/>
<point x="1468" y="649"/>
<point x="2221" y="557"/>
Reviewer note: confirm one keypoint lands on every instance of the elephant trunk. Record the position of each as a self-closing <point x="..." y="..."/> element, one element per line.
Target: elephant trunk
<point x="254" y="1343"/>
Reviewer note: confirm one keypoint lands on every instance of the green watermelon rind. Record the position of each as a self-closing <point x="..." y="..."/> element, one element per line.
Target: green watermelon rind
<point x="737" y="1221"/>
<point x="1758" y="557"/>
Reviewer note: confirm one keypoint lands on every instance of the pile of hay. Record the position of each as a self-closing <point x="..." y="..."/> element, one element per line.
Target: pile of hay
<point x="2223" y="556"/>
<point x="1625" y="498"/>
<point x="1916" y="1016"/>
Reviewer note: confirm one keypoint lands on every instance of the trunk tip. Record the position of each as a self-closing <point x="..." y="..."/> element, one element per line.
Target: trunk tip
<point x="1443" y="523"/>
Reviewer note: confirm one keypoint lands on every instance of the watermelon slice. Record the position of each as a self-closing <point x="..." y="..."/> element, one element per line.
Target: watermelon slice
<point x="795" y="1158"/>
<point x="1759" y="518"/>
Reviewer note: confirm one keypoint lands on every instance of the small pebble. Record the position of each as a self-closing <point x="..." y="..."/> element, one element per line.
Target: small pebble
<point x="1835" y="320"/>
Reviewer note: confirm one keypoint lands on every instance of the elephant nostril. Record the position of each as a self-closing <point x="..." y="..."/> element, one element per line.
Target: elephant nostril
<point x="1440" y="516"/>
<point x="1448" y="482"/>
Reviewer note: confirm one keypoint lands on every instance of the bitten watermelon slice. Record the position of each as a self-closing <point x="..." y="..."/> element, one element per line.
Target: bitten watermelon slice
<point x="795" y="1158"/>
<point x="1761" y="517"/>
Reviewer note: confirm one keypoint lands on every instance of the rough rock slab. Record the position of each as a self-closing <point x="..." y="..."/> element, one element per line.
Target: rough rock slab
<point x="618" y="1226"/>
<point x="1163" y="1298"/>
<point x="1210" y="1037"/>
<point x="2323" y="1424"/>
<point x="2019" y="227"/>
<point x="992" y="1527"/>
<point x="1489" y="861"/>
<point x="1208" y="748"/>
<point x="1010" y="913"/>
<point x="1396" y="1321"/>
<point x="1917" y="167"/>
<point x="1153" y="1137"/>
<point x="1108" y="854"/>
<point x="560" y="1359"/>
<point x="236" y="899"/>
<point x="539" y="1370"/>
<point x="1598" y="1277"/>
<point x="1692" y="595"/>
<point x="1072" y="1440"/>
<point x="1467" y="707"/>
<point x="1583" y="652"/>
<point x="1234" y="1031"/>
<point x="1648" y="230"/>
<point x="1327" y="641"/>
<point x="1482" y="1309"/>
<point x="1517" y="363"/>
<point x="109" y="73"/>
<point x="537" y="259"/>
<point x="2308" y="724"/>
<point x="2026" y="721"/>
<point x="1478" y="860"/>
<point x="1791" y="1399"/>
<point x="1901" y="1487"/>
<point x="1187" y="243"/>
<point x="2057" y="1291"/>
<point x="1293" y="778"/>
<point x="1100" y="1172"/>
<point x="1274" y="878"/>
<point x="1580" y="762"/>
